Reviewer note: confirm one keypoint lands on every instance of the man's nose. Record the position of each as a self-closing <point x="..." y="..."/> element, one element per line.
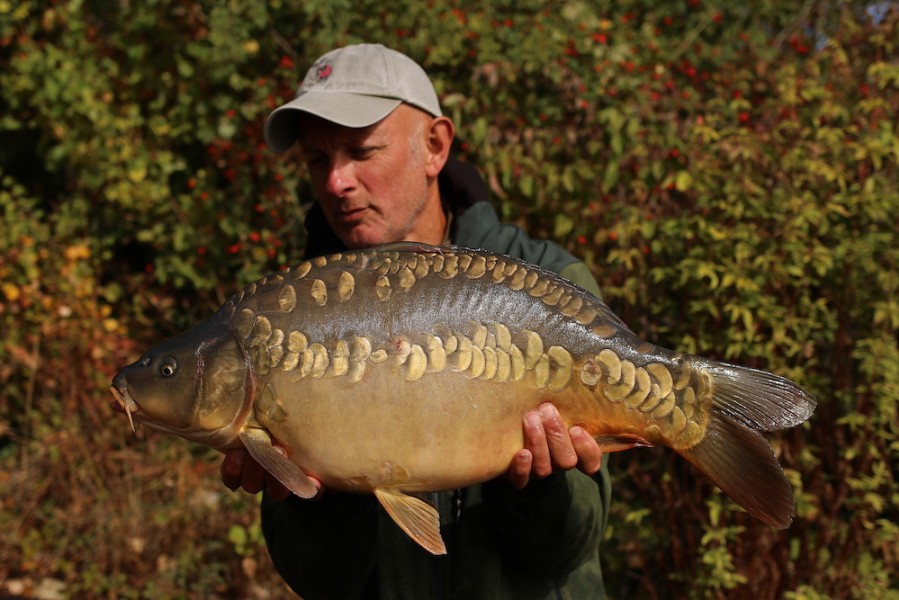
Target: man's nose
<point x="341" y="178"/>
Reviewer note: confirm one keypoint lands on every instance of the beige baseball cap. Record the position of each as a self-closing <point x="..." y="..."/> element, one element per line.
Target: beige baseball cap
<point x="353" y="86"/>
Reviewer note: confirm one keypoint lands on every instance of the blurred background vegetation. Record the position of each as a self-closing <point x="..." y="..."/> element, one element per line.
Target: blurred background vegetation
<point x="728" y="172"/>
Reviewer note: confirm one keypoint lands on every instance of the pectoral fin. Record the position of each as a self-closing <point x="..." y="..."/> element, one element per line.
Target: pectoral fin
<point x="259" y="444"/>
<point x="415" y="516"/>
<point x="619" y="443"/>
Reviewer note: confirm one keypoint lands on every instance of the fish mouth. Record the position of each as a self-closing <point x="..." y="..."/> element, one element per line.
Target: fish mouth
<point x="124" y="403"/>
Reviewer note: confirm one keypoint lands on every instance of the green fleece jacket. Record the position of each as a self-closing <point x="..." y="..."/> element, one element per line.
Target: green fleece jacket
<point x="538" y="543"/>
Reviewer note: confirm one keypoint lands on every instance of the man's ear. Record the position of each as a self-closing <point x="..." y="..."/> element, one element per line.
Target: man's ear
<point x="440" y="134"/>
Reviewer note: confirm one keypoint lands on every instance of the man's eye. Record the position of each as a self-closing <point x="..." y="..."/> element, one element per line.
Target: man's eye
<point x="363" y="153"/>
<point x="316" y="161"/>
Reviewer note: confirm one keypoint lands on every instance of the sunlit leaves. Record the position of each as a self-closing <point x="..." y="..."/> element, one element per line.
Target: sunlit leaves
<point x="728" y="172"/>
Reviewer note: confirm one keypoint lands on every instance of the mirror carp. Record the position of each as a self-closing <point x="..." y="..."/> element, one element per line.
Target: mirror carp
<point x="407" y="368"/>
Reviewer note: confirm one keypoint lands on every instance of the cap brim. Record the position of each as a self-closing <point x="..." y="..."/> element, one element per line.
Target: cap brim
<point x="349" y="110"/>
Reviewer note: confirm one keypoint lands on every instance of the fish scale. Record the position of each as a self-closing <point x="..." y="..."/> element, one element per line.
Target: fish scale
<point x="422" y="361"/>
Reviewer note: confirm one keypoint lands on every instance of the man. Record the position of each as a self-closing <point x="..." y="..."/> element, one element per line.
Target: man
<point x="370" y="130"/>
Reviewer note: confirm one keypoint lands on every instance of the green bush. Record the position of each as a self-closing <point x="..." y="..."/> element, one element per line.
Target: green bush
<point x="727" y="173"/>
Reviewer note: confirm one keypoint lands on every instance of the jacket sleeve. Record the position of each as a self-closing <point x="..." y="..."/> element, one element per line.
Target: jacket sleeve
<point x="580" y="275"/>
<point x="554" y="525"/>
<point x="323" y="548"/>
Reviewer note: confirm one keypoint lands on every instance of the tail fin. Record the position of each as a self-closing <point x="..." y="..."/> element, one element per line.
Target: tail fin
<point x="734" y="454"/>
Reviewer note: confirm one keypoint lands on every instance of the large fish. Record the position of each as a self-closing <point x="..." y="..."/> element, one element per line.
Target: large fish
<point x="408" y="368"/>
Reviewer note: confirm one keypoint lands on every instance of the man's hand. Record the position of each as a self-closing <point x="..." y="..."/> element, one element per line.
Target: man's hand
<point x="239" y="469"/>
<point x="548" y="446"/>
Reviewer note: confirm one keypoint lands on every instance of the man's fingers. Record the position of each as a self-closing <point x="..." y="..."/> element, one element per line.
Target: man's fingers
<point x="519" y="472"/>
<point x="588" y="451"/>
<point x="232" y="468"/>
<point x="535" y="441"/>
<point x="276" y="489"/>
<point x="239" y="469"/>
<point x="561" y="450"/>
<point x="254" y="476"/>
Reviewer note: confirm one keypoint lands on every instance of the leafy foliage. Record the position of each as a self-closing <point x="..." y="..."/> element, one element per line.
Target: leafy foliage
<point x="728" y="174"/>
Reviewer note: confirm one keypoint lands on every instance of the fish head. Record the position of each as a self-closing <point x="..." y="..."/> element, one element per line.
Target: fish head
<point x="195" y="385"/>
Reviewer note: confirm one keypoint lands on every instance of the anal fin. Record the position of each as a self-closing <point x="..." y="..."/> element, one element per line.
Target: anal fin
<point x="414" y="516"/>
<point x="259" y="444"/>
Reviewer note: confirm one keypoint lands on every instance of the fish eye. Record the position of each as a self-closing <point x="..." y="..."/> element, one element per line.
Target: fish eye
<point x="168" y="367"/>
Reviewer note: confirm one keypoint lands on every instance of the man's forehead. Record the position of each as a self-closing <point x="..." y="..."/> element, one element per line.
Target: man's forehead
<point x="313" y="129"/>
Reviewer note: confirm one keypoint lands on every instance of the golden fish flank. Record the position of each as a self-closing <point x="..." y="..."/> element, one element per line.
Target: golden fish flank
<point x="482" y="351"/>
<point x="270" y="405"/>
<point x="397" y="319"/>
<point x="637" y="387"/>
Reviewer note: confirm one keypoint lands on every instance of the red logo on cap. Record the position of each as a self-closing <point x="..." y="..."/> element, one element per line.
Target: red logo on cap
<point x="324" y="72"/>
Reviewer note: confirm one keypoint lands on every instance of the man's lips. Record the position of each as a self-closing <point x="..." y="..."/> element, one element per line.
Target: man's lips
<point x="352" y="214"/>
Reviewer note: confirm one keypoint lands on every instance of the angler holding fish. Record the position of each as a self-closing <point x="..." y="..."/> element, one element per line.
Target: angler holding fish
<point x="427" y="405"/>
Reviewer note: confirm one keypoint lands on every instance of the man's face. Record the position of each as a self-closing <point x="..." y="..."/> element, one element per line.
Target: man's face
<point x="371" y="182"/>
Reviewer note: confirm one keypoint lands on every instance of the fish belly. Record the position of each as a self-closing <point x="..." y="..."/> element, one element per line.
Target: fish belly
<point x="443" y="431"/>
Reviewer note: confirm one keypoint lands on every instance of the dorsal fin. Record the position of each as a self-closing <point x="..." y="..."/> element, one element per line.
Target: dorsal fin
<point x="419" y="247"/>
